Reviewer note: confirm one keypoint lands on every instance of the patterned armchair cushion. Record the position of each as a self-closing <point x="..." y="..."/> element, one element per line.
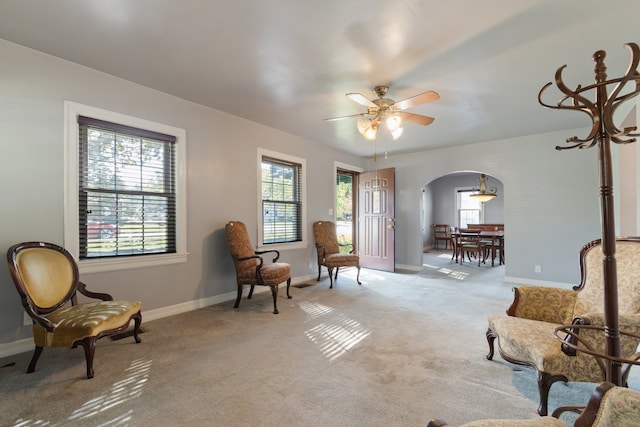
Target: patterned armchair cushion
<point x="341" y="260"/>
<point x="544" y="303"/>
<point x="240" y="247"/>
<point x="325" y="235"/>
<point x="532" y="342"/>
<point x="619" y="407"/>
<point x="591" y="298"/>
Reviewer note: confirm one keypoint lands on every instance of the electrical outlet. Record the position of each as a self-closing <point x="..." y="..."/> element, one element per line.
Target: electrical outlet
<point x="26" y="320"/>
<point x="538" y="269"/>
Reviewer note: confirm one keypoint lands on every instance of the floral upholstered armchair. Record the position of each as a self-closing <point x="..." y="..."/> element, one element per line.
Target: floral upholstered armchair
<point x="609" y="406"/>
<point x="526" y="335"/>
<point x="329" y="253"/>
<point x="251" y="270"/>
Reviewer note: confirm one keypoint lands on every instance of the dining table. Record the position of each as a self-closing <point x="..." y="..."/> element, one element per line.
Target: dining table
<point x="493" y="237"/>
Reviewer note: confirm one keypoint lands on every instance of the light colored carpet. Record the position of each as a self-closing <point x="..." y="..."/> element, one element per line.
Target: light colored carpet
<point x="399" y="350"/>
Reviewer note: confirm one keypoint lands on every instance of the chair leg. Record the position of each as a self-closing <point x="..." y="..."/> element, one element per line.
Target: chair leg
<point x="330" y="277"/>
<point x="491" y="337"/>
<point x="89" y="346"/>
<point x="251" y="291"/>
<point x="137" y="319"/>
<point x="545" y="381"/>
<point x="288" y="286"/>
<point x="358" y="275"/>
<point x="274" y="292"/>
<point x="34" y="359"/>
<point x="319" y="271"/>
<point x="239" y="297"/>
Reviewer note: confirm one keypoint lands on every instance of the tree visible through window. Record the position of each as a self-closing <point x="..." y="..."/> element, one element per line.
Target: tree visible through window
<point x="127" y="190"/>
<point x="281" y="201"/>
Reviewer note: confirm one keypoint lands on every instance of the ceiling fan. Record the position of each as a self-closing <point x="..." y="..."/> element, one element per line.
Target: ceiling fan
<point x="388" y="111"/>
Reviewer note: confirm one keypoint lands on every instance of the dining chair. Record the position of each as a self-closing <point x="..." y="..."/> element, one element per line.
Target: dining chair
<point x="441" y="234"/>
<point x="453" y="240"/>
<point x="470" y="243"/>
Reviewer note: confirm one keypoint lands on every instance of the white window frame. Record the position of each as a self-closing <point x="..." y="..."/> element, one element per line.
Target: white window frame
<point x="71" y="217"/>
<point x="457" y="196"/>
<point x="262" y="152"/>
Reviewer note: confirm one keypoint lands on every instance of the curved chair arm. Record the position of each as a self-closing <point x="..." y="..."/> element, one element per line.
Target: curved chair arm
<point x="258" y="257"/>
<point x="259" y="265"/>
<point x="43" y="321"/>
<point x="544" y="303"/>
<point x="82" y="288"/>
<point x="271" y="250"/>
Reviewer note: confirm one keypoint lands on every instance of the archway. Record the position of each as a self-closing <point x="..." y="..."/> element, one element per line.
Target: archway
<point x="440" y="202"/>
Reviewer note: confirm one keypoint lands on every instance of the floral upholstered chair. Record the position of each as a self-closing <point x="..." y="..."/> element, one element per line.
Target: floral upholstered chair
<point x="47" y="279"/>
<point x="526" y="335"/>
<point x="329" y="253"/>
<point x="250" y="267"/>
<point x="609" y="406"/>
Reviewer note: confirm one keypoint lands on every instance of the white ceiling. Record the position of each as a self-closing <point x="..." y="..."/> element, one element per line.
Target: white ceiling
<point x="288" y="63"/>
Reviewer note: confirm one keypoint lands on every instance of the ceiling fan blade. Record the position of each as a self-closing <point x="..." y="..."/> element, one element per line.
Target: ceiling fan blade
<point x="416" y="118"/>
<point x="361" y="99"/>
<point x="421" y="98"/>
<point x="346" y="117"/>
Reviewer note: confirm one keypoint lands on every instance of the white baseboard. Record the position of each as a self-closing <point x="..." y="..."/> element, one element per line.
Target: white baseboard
<point x="26" y="344"/>
<point x="523" y="281"/>
<point x="16" y="347"/>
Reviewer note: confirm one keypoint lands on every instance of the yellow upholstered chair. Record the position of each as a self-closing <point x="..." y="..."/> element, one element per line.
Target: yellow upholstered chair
<point x="525" y="335"/>
<point x="46" y="277"/>
<point x="250" y="267"/>
<point x="328" y="250"/>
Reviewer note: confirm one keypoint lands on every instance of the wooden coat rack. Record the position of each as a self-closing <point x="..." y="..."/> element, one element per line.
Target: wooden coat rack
<point x="600" y="107"/>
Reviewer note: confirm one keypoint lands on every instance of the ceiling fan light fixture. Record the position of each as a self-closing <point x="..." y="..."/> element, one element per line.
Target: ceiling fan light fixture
<point x="370" y="133"/>
<point x="388" y="111"/>
<point x="397" y="132"/>
<point x="393" y="122"/>
<point x="363" y="125"/>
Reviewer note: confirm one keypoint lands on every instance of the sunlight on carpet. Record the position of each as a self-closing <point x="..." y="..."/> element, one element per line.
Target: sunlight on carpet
<point x="313" y="309"/>
<point x="128" y="388"/>
<point x="460" y="275"/>
<point x="334" y="337"/>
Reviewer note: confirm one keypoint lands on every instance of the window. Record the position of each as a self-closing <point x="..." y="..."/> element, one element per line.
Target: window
<point x="281" y="182"/>
<point x="470" y="211"/>
<point x="127" y="193"/>
<point x="125" y="205"/>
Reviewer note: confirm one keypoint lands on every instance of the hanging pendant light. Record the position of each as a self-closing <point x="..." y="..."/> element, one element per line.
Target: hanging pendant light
<point x="482" y="194"/>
